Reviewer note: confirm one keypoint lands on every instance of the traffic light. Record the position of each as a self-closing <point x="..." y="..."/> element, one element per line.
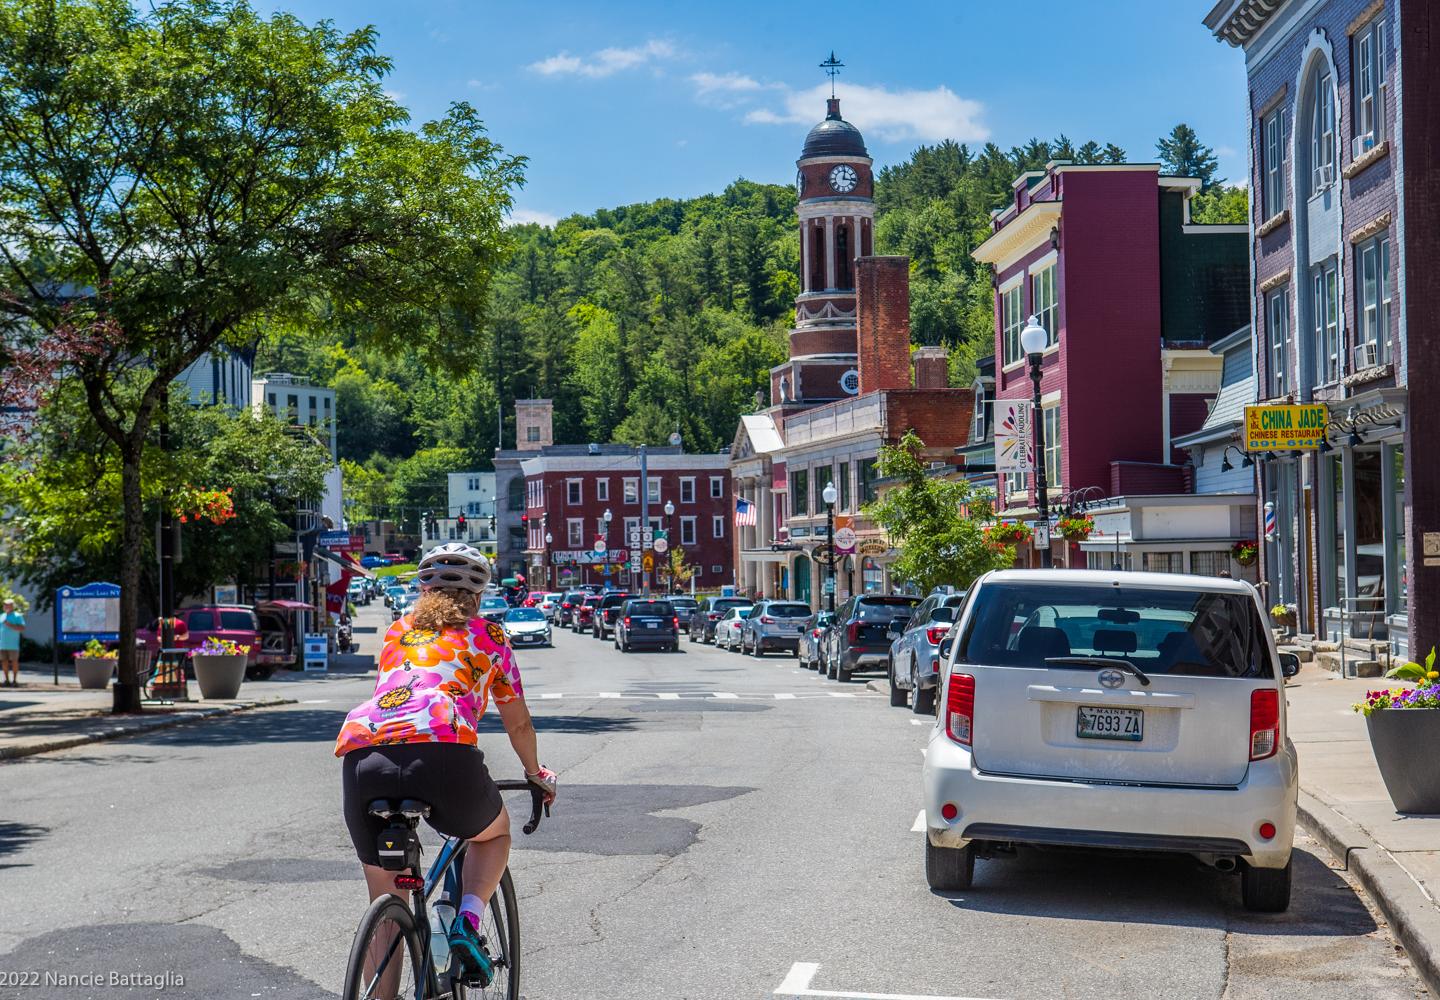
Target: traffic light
<point x="460" y="524"/>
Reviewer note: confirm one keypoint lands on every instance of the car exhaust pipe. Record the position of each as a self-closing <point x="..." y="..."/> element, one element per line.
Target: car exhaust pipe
<point x="1225" y="864"/>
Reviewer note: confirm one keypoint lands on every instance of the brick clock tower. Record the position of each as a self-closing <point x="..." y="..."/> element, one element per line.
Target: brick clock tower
<point x="837" y="214"/>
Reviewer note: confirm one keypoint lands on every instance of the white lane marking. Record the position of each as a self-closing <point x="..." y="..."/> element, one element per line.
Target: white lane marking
<point x="919" y="825"/>
<point x="797" y="984"/>
<point x="551" y="694"/>
<point x="841" y="694"/>
<point x="316" y="701"/>
<point x="725" y="694"/>
<point x="668" y="696"/>
<point x="917" y="722"/>
<point x="784" y="697"/>
<point x="610" y="694"/>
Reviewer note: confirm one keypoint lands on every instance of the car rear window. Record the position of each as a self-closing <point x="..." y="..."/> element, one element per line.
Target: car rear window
<point x="240" y="621"/>
<point x="884" y="609"/>
<point x="592" y="601"/>
<point x="790" y="610"/>
<point x="200" y="620"/>
<point x="1179" y="632"/>
<point x="661" y="609"/>
<point x="728" y="603"/>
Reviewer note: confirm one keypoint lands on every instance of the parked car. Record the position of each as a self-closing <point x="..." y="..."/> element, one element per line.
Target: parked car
<point x="773" y="625"/>
<point x="684" y="610"/>
<point x="605" y="612"/>
<point x="224" y="621"/>
<point x="584" y="618"/>
<point x="533" y="598"/>
<point x="392" y="591"/>
<point x="857" y="640"/>
<point x="1113" y="710"/>
<point x="647" y="622"/>
<point x="372" y="560"/>
<point x="402" y="604"/>
<point x="727" y="629"/>
<point x="565" y="616"/>
<point x="709" y="613"/>
<point x="526" y="627"/>
<point x="357" y="593"/>
<point x="493" y="607"/>
<point x="808" y="648"/>
<point x="915" y="651"/>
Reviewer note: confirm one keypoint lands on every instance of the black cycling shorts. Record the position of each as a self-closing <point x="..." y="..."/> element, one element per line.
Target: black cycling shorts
<point x="450" y="777"/>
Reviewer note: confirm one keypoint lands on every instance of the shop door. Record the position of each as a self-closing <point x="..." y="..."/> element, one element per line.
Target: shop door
<point x="802" y="579"/>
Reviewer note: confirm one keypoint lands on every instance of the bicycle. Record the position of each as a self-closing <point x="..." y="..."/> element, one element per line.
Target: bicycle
<point x="389" y="922"/>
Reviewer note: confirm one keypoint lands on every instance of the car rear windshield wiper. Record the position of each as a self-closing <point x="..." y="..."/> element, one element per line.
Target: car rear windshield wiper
<point x="1100" y="661"/>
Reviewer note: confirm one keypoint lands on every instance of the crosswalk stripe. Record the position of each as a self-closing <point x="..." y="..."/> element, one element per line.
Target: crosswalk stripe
<point x="784" y="697"/>
<point x="725" y="694"/>
<point x="842" y="694"/>
<point x="551" y="694"/>
<point x="668" y="696"/>
<point x="610" y="694"/>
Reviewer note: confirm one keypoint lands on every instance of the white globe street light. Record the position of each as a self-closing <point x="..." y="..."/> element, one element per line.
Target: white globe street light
<point x="829" y="494"/>
<point x="1033" y="341"/>
<point x="669" y="508"/>
<point x="1034" y="338"/>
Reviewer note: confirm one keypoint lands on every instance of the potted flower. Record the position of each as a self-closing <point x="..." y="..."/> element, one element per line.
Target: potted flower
<point x="219" y="667"/>
<point x="1245" y="552"/>
<point x="94" y="664"/>
<point x="1075" y="529"/>
<point x="1008" y="533"/>
<point x="1284" y="615"/>
<point x="1405" y="737"/>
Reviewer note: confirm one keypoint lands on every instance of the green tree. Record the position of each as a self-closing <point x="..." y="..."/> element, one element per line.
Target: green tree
<point x="420" y="484"/>
<point x="1221" y="205"/>
<point x="175" y="179"/>
<point x="937" y="524"/>
<point x="1182" y="154"/>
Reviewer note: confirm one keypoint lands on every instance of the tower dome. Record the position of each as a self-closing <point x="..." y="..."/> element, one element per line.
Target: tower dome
<point x="834" y="136"/>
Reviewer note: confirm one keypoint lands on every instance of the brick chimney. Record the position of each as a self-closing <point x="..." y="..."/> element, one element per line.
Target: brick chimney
<point x="932" y="367"/>
<point x="882" y="312"/>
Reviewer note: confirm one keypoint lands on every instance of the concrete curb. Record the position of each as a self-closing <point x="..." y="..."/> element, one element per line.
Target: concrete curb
<point x="100" y="733"/>
<point x="1413" y="916"/>
<point x="879" y="687"/>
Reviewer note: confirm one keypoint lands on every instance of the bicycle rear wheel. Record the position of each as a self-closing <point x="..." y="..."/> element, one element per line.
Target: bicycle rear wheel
<point x="385" y="958"/>
<point x="501" y="931"/>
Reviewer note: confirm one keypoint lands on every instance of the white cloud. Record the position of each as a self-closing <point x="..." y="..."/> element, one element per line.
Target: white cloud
<point x="706" y="83"/>
<point x="605" y="62"/>
<point x="1225" y="151"/>
<point x="398" y="96"/>
<point x="523" y="216"/>
<point x="890" y="115"/>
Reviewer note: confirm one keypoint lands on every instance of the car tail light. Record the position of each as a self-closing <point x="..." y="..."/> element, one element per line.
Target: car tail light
<point x="935" y="633"/>
<point x="766" y="620"/>
<point x="675" y="622"/>
<point x="713" y="615"/>
<point x="565" y="605"/>
<point x="627" y="621"/>
<point x="1264" y="722"/>
<point x="815" y="633"/>
<point x="949" y="810"/>
<point x="852" y="631"/>
<point x="960" y="708"/>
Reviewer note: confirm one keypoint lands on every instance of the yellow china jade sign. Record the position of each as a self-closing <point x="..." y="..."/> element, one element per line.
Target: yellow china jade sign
<point x="1284" y="427"/>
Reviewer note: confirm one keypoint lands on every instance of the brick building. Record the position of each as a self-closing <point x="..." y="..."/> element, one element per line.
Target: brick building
<point x="1344" y="126"/>
<point x="1132" y="295"/>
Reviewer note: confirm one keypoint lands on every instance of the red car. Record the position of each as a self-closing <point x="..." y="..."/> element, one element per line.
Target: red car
<point x="584" y="613"/>
<point x="234" y="622"/>
<point x="533" y="598"/>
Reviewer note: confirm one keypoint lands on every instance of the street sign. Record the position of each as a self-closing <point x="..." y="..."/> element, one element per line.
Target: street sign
<point x="598" y="553"/>
<point x="1285" y="427"/>
<point x="1042" y="535"/>
<point x="334" y="539"/>
<point x="648" y="562"/>
<point x="648" y="535"/>
<point x="661" y="545"/>
<point x="88" y="612"/>
<point x="829" y="586"/>
<point x="634" y="535"/>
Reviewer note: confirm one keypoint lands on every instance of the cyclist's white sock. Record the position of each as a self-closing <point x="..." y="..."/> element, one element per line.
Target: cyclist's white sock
<point x="472" y="909"/>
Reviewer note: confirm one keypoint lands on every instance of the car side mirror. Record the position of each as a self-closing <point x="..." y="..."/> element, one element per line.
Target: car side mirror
<point x="1289" y="664"/>
<point x="946" y="644"/>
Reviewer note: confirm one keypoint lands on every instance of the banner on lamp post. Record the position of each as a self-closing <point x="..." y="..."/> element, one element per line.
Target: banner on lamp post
<point x="1014" y="437"/>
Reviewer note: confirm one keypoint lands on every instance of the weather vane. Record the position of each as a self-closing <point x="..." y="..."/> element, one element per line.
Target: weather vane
<point x="831" y="67"/>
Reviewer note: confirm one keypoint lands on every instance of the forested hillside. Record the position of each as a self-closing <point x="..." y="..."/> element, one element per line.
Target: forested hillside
<point x="667" y="315"/>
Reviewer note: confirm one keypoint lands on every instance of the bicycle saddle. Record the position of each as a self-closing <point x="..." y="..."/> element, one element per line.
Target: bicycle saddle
<point x="412" y="809"/>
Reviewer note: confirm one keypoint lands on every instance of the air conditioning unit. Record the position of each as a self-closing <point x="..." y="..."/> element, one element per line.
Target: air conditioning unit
<point x="1367" y="355"/>
<point x="1361" y="144"/>
<point x="1325" y="175"/>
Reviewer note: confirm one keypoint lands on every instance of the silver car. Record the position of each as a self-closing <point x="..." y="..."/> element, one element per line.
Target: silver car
<point x="774" y="625"/>
<point x="915" y="652"/>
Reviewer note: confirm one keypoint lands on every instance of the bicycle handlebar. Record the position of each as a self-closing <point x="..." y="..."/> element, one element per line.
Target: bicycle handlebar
<point x="537" y="800"/>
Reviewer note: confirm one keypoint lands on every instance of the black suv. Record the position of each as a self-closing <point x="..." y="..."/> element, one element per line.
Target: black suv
<point x="684" y="610"/>
<point x="605" y="612"/>
<point x="565" y="613"/>
<point x="710" y="611"/>
<point x="859" y="637"/>
<point x="647" y="622"/>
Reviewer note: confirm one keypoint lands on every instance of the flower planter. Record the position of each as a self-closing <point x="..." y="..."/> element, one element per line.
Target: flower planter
<point x="219" y="677"/>
<point x="1405" y="742"/>
<point x="94" y="672"/>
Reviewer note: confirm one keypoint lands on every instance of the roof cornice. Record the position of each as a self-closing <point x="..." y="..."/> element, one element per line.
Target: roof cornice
<point x="1239" y="21"/>
<point x="1019" y="236"/>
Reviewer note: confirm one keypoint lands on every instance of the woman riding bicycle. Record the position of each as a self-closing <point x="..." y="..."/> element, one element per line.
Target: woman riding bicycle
<point x="416" y="737"/>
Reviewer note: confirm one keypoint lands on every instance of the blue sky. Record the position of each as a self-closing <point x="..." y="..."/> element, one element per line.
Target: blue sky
<point x="616" y="102"/>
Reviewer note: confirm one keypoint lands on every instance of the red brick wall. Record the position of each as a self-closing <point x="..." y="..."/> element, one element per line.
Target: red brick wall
<point x="1145" y="479"/>
<point x="883" y="320"/>
<point x="932" y="367"/>
<point x="833" y="341"/>
<point x="941" y="417"/>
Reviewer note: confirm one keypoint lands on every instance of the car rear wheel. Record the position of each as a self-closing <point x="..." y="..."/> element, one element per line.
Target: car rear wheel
<point x="948" y="869"/>
<point x="924" y="698"/>
<point x="830" y="668"/>
<point x="1265" y="890"/>
<point x="897" y="693"/>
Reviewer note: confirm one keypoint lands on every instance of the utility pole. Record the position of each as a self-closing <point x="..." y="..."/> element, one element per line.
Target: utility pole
<point x="644" y="520"/>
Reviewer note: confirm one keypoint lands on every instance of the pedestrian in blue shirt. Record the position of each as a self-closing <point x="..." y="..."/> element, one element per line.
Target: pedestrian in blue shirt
<point x="12" y="624"/>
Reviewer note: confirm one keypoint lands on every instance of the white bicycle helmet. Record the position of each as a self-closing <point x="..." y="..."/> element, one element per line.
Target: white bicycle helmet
<point x="454" y="566"/>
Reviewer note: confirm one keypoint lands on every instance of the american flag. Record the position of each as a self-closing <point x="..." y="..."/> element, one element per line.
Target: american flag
<point x="744" y="513"/>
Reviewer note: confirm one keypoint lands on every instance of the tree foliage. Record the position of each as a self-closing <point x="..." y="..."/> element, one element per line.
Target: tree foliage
<point x="937" y="524"/>
<point x="1182" y="154"/>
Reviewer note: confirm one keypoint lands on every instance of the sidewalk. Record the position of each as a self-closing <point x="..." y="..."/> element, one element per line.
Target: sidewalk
<point x="1344" y="804"/>
<point x="40" y="716"/>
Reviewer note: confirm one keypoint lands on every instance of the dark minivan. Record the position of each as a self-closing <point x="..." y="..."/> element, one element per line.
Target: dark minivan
<point x="859" y="638"/>
<point x="647" y="623"/>
<point x="710" y="611"/>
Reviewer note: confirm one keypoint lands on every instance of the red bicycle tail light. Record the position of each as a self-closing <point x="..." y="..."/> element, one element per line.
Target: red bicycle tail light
<point x="1264" y="723"/>
<point x="934" y="633"/>
<point x="410" y="883"/>
<point x="960" y="708"/>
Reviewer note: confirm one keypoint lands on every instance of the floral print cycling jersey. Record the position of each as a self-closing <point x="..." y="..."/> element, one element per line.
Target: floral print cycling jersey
<point x="433" y="686"/>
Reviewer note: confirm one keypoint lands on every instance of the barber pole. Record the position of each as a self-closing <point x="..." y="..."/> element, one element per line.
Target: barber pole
<point x="1269" y="522"/>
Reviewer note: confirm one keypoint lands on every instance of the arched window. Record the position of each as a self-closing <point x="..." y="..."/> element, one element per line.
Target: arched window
<point x="1322" y="131"/>
<point x="842" y="257"/>
<point x="817" y="259"/>
<point x="516" y="493"/>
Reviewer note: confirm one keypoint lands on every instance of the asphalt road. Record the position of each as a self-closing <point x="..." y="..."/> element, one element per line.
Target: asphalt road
<point x="727" y="828"/>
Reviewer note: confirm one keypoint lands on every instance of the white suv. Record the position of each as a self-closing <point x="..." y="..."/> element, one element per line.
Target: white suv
<point x="1131" y="711"/>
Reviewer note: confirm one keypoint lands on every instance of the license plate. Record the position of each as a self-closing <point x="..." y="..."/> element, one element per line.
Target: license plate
<point x="1094" y="723"/>
<point x="652" y="624"/>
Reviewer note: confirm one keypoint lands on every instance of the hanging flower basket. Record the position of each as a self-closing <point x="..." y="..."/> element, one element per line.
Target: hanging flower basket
<point x="1075" y="529"/>
<point x="1008" y="533"/>
<point x="190" y="504"/>
<point x="1245" y="553"/>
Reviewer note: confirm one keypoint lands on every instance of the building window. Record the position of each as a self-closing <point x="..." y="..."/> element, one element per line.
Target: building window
<point x="980" y="419"/>
<point x="800" y="492"/>
<point x="1273" y="129"/>
<point x="1014" y="487"/>
<point x="292" y="406"/>
<point x="687" y="531"/>
<point x="574" y="491"/>
<point x="1277" y="327"/>
<point x="1107" y="560"/>
<point x="632" y="490"/>
<point x="1322" y="135"/>
<point x="844" y="486"/>
<point x="652" y="489"/>
<point x="1326" y="307"/>
<point x="532" y="434"/>
<point x="575" y="532"/>
<point x="824" y="476"/>
<point x="1373" y="270"/>
<point x="1164" y="562"/>
<point x="717" y="487"/>
<point x="1042" y="297"/>
<point x="717" y="526"/>
<point x="1210" y="563"/>
<point x="1368" y="63"/>
<point x="687" y="489"/>
<point x="631" y="523"/>
<point x="1012" y="321"/>
<point x="602" y="489"/>
<point x="865" y="471"/>
<point x="1052" y="446"/>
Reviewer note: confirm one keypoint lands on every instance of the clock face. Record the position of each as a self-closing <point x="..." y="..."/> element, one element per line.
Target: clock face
<point x="799" y="182"/>
<point x="843" y="178"/>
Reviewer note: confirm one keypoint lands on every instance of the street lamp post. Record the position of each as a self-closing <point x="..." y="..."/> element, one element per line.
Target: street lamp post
<point x="830" y="495"/>
<point x="1033" y="341"/>
<point x="605" y="564"/>
<point x="548" y="539"/>
<point x="669" y="573"/>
